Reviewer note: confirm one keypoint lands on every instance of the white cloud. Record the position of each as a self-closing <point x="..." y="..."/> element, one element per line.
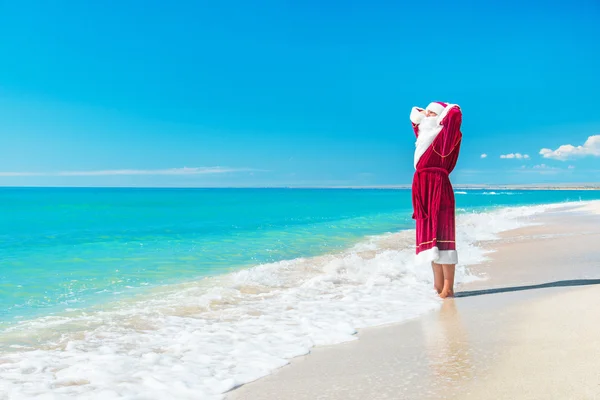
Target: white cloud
<point x="122" y="172"/>
<point x="591" y="147"/>
<point x="544" y="166"/>
<point x="515" y="155"/>
<point x="483" y="155"/>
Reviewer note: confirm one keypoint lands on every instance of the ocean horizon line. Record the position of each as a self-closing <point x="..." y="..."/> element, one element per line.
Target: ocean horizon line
<point x="553" y="186"/>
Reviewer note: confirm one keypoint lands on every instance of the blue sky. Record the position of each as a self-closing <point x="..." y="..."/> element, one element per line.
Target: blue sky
<point x="293" y="93"/>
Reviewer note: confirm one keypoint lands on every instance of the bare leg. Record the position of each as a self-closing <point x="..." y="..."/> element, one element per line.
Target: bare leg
<point x="448" y="289"/>
<point x="438" y="277"/>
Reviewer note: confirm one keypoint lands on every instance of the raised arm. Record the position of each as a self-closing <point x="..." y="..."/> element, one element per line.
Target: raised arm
<point x="450" y="135"/>
<point x="416" y="116"/>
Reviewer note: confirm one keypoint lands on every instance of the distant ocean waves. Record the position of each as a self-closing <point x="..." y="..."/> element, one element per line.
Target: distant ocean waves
<point x="500" y="193"/>
<point x="200" y="339"/>
<point x="491" y="193"/>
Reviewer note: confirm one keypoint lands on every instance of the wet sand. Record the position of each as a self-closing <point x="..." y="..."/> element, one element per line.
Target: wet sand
<point x="530" y="330"/>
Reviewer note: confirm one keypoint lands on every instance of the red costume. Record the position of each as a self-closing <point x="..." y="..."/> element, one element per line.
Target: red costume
<point x="432" y="194"/>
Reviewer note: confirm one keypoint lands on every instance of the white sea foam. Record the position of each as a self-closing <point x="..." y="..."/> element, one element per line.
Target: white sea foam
<point x="198" y="340"/>
<point x="460" y="192"/>
<point x="592" y="207"/>
<point x="500" y="193"/>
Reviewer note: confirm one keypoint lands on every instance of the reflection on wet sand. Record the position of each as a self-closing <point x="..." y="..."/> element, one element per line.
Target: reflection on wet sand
<point x="448" y="348"/>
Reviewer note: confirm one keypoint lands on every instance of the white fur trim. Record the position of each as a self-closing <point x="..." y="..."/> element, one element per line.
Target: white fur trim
<point x="437" y="256"/>
<point x="427" y="256"/>
<point x="447" y="257"/>
<point x="435" y="107"/>
<point x="415" y="116"/>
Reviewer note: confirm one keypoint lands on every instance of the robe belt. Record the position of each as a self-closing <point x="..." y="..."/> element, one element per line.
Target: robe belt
<point x="421" y="210"/>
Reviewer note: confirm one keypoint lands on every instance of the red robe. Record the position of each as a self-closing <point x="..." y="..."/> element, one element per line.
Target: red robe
<point x="432" y="193"/>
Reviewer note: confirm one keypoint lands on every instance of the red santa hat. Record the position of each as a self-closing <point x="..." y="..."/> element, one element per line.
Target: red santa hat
<point x="436" y="107"/>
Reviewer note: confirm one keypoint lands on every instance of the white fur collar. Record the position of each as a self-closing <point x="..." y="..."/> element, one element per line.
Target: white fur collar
<point x="426" y="137"/>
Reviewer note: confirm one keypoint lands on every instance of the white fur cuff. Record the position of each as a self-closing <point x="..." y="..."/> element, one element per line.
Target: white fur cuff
<point x="415" y="116"/>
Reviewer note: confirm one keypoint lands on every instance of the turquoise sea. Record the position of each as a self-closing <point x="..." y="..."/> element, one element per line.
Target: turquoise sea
<point x="63" y="248"/>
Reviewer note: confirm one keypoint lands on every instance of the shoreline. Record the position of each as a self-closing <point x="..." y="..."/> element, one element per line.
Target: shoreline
<point x="136" y="294"/>
<point x="460" y="350"/>
<point x="385" y="239"/>
<point x="334" y="296"/>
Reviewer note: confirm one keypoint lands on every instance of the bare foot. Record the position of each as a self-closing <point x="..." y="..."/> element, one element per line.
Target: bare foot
<point x="446" y="293"/>
<point x="437" y="289"/>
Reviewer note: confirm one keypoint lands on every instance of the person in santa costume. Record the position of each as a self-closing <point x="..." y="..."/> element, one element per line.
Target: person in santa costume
<point x="438" y="143"/>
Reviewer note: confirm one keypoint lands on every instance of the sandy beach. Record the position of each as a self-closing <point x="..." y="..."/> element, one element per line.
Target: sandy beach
<point x="528" y="330"/>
